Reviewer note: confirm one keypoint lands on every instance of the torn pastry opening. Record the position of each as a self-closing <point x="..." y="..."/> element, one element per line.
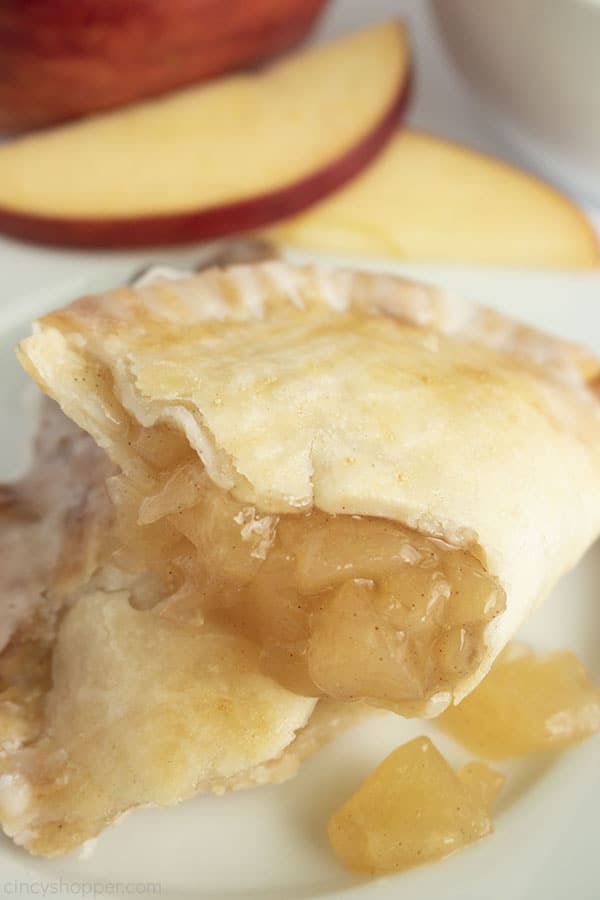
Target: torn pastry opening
<point x="346" y="606"/>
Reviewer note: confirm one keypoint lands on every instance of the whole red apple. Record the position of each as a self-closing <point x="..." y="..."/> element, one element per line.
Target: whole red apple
<point x="60" y="59"/>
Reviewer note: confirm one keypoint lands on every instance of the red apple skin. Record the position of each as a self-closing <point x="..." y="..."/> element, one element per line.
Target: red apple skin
<point x="60" y="59"/>
<point x="216" y="221"/>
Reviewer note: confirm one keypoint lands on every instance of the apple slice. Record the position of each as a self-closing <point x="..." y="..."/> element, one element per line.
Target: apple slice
<point x="208" y="161"/>
<point x="428" y="199"/>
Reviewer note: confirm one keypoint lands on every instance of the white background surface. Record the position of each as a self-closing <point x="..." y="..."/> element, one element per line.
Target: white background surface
<point x="269" y="844"/>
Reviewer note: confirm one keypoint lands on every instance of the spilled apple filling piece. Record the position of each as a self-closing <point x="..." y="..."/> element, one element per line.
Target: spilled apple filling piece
<point x="413" y="808"/>
<point x="482" y="782"/>
<point x="527" y="703"/>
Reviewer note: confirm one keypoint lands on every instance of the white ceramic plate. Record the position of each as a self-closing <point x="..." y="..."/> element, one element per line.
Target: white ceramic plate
<point x="270" y="843"/>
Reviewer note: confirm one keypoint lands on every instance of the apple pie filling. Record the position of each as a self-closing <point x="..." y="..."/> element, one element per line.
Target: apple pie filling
<point x="351" y="607"/>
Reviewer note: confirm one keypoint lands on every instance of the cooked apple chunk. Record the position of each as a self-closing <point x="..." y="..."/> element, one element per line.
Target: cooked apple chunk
<point x="414" y="808"/>
<point x="527" y="703"/>
<point x="483" y="782"/>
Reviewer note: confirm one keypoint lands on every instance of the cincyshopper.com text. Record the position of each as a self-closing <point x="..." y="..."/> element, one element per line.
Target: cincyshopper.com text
<point x="60" y="888"/>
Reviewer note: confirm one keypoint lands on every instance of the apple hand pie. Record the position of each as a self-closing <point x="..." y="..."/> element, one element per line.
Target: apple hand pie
<point x="370" y="479"/>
